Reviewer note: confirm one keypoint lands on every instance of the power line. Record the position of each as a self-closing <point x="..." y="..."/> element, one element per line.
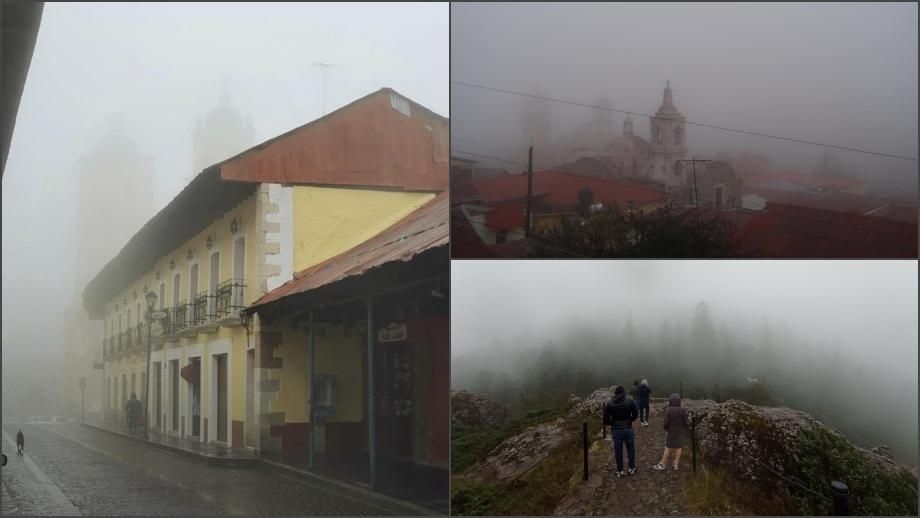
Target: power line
<point x="745" y="132"/>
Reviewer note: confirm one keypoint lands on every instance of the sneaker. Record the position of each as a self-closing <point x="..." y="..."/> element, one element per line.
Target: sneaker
<point x="632" y="471"/>
<point x="659" y="467"/>
<point x="675" y="466"/>
<point x="621" y="474"/>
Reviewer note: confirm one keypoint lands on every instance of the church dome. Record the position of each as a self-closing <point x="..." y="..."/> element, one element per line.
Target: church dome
<point x="627" y="144"/>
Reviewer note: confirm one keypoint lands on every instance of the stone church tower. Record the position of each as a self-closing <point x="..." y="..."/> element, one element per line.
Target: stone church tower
<point x="668" y="144"/>
<point x="222" y="134"/>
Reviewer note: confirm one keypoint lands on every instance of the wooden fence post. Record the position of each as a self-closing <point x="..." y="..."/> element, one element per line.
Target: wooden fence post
<point x="584" y="437"/>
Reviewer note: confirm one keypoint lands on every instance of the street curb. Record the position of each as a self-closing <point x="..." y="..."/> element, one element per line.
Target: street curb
<point x="421" y="510"/>
<point x="207" y="459"/>
<point x="357" y="488"/>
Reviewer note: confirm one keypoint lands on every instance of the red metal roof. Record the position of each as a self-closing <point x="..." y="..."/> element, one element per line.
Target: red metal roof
<point x="815" y="180"/>
<point x="464" y="241"/>
<point x="560" y="188"/>
<point x="836" y="201"/>
<point x="805" y="232"/>
<point x="380" y="140"/>
<point x="424" y="228"/>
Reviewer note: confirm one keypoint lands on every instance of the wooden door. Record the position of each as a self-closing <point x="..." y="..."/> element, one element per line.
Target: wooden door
<point x="222" y="398"/>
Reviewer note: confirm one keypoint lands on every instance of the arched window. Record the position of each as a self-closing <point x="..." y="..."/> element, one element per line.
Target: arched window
<point x="678" y="135"/>
<point x="658" y="135"/>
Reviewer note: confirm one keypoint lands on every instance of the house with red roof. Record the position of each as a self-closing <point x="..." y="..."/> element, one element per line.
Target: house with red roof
<point x="499" y="211"/>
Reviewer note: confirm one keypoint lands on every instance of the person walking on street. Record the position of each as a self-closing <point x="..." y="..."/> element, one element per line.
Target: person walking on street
<point x="676" y="424"/>
<point x="619" y="413"/>
<point x="644" y="394"/>
<point x="20" y="442"/>
<point x="133" y="409"/>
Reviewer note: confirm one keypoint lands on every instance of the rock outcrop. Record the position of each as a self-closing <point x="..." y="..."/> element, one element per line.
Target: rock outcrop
<point x="478" y="411"/>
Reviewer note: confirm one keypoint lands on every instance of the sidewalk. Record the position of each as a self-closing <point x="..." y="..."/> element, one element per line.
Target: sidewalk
<point x="209" y="453"/>
<point x="238" y="457"/>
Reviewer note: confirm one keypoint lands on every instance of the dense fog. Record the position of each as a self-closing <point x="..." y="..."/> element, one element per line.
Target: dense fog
<point x="836" y="339"/>
<point x="841" y="74"/>
<point x="125" y="103"/>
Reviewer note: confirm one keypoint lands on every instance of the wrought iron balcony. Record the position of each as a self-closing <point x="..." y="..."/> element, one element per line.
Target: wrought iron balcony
<point x="139" y="337"/>
<point x="204" y="312"/>
<point x="171" y="325"/>
<point x="231" y="297"/>
<point x="129" y="339"/>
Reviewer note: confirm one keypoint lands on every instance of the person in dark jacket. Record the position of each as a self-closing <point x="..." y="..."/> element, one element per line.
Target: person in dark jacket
<point x="20" y="442"/>
<point x="634" y="392"/>
<point x="676" y="423"/>
<point x="134" y="409"/>
<point x="619" y="413"/>
<point x="644" y="394"/>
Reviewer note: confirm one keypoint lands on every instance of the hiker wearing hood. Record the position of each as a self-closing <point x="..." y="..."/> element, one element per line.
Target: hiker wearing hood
<point x="676" y="424"/>
<point x="619" y="413"/>
<point x="644" y="394"/>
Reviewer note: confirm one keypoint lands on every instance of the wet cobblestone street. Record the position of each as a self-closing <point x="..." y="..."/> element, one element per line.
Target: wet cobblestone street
<point x="79" y="470"/>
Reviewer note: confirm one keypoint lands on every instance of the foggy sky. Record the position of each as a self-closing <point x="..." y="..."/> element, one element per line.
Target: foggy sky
<point x="868" y="308"/>
<point x="843" y="74"/>
<point x="161" y="67"/>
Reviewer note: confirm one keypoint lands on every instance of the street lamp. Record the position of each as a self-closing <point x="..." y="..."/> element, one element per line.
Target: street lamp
<point x="151" y="302"/>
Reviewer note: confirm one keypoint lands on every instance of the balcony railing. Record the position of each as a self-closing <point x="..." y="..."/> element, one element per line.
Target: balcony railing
<point x="139" y="337"/>
<point x="230" y="297"/>
<point x="179" y="317"/>
<point x="203" y="308"/>
<point x="120" y="342"/>
<point x="129" y="339"/>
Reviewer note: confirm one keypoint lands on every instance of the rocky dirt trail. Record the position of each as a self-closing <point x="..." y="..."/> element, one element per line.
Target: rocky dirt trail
<point x="647" y="493"/>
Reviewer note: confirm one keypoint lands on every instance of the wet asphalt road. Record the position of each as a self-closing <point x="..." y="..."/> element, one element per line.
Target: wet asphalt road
<point x="70" y="469"/>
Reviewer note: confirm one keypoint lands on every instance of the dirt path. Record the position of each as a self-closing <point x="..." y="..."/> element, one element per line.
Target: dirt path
<point x="647" y="493"/>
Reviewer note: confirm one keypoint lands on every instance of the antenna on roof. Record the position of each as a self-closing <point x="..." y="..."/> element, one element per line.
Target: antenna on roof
<point x="323" y="67"/>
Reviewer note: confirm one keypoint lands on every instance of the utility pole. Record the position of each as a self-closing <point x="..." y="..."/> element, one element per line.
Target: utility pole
<point x="696" y="193"/>
<point x="529" y="189"/>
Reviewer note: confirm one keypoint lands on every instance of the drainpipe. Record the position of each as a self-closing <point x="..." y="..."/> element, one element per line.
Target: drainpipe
<point x="371" y="449"/>
<point x="312" y="345"/>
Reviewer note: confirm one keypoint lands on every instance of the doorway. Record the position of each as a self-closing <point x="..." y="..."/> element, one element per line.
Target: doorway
<point x="157" y="394"/>
<point x="221" y="397"/>
<point x="174" y="393"/>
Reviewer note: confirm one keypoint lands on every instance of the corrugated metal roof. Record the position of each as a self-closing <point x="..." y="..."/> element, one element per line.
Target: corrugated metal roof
<point x="804" y="232"/>
<point x="380" y="140"/>
<point x="425" y="228"/>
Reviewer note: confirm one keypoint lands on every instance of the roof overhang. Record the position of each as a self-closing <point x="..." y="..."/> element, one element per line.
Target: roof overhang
<point x="205" y="199"/>
<point x="20" y="21"/>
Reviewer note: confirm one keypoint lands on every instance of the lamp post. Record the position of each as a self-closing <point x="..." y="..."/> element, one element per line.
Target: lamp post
<point x="151" y="302"/>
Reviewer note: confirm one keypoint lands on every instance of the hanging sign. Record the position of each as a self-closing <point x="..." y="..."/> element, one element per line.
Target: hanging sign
<point x="392" y="332"/>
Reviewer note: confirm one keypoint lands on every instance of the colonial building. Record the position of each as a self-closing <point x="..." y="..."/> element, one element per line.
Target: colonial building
<point x="285" y="211"/>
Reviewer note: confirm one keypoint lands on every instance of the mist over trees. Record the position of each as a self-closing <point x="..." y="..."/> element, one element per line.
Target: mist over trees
<point x="702" y="354"/>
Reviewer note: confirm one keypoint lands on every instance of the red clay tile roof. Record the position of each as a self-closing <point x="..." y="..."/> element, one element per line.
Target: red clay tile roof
<point x="424" y="228"/>
<point x="804" y="232"/>
<point x="561" y="188"/>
